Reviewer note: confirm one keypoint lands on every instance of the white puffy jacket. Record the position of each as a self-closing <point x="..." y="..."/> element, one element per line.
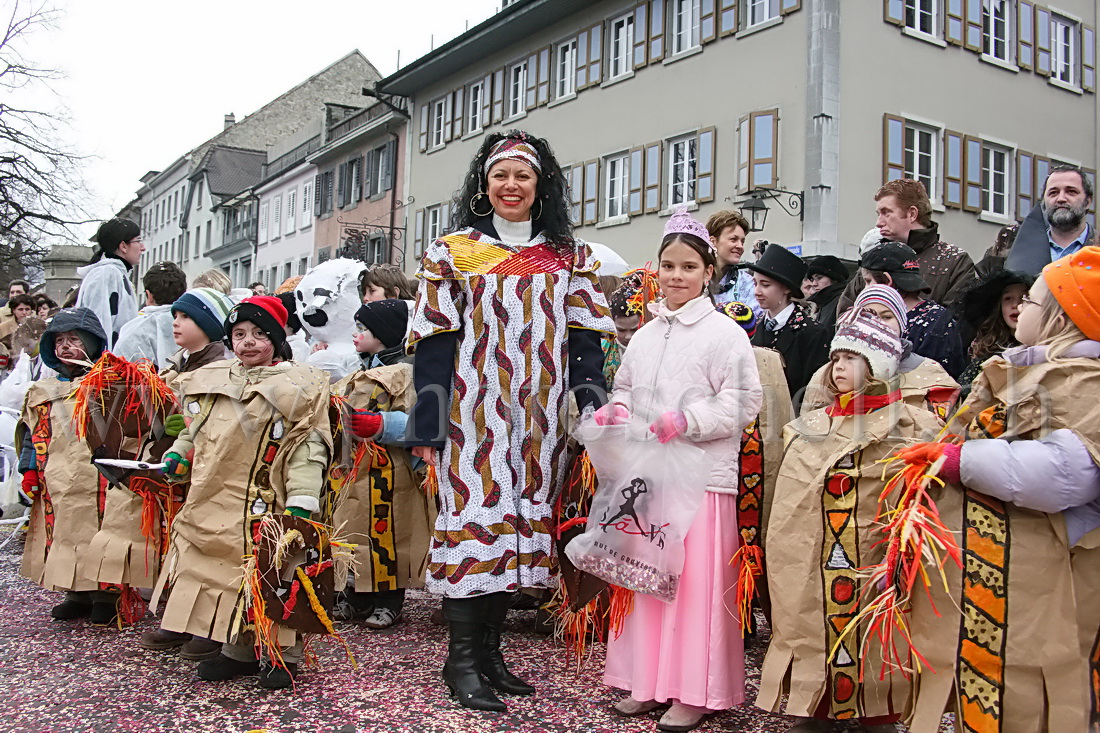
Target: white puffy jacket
<point x="700" y="362"/>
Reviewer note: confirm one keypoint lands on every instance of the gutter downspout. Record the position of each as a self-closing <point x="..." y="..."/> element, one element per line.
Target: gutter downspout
<point x="393" y="196"/>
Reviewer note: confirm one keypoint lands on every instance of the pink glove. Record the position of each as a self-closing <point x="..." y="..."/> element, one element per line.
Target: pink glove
<point x="612" y="414"/>
<point x="669" y="425"/>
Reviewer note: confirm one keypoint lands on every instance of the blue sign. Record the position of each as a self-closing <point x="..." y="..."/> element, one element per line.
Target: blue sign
<point x="795" y="249"/>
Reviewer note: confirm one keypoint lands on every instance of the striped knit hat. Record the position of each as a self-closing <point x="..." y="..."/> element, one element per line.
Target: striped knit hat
<point x="740" y="313"/>
<point x="872" y="339"/>
<point x="883" y="295"/>
<point x="206" y="307"/>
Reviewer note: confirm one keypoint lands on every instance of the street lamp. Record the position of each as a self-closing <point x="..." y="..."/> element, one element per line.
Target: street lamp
<point x="755" y="209"/>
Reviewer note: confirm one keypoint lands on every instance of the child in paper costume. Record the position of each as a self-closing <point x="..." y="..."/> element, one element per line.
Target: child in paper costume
<point x="257" y="443"/>
<point x="384" y="510"/>
<point x="690" y="371"/>
<point x="1025" y="656"/>
<point x="69" y="495"/>
<point x="822" y="530"/>
<point x="923" y="382"/>
<point x="327" y="297"/>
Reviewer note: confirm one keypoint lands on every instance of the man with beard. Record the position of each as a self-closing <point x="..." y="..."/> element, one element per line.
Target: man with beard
<point x="1057" y="227"/>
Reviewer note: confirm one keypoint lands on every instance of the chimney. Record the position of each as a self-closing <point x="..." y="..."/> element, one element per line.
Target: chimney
<point x="230" y="120"/>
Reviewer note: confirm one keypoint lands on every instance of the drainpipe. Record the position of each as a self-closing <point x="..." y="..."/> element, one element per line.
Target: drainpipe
<point x="393" y="195"/>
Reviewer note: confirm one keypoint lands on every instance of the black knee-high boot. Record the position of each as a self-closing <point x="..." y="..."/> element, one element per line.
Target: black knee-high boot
<point x="466" y="619"/>
<point x="492" y="661"/>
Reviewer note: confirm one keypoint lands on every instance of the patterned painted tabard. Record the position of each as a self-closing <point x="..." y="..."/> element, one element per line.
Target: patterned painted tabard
<point x="505" y="452"/>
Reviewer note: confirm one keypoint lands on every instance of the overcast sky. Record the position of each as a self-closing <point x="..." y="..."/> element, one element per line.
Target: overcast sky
<point x="147" y="80"/>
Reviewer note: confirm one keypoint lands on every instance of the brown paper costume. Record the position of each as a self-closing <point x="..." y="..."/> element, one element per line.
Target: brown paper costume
<point x="70" y="505"/>
<point x="928" y="386"/>
<point x="245" y="425"/>
<point x="1023" y="646"/>
<point x="820" y="531"/>
<point x="384" y="512"/>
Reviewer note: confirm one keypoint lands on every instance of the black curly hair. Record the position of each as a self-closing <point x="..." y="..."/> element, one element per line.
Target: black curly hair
<point x="552" y="189"/>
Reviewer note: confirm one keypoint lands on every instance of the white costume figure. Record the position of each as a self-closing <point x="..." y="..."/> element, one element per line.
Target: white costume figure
<point x="326" y="299"/>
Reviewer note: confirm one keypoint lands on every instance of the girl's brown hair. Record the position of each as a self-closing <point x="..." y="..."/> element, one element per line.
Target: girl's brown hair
<point x="390" y="278"/>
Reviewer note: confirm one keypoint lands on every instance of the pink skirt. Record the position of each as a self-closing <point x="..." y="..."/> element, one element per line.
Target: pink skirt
<point x="690" y="650"/>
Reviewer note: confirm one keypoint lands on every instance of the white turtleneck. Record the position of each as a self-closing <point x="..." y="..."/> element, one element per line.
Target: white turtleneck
<point x="515" y="233"/>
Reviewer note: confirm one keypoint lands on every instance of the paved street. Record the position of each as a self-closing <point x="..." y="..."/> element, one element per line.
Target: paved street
<point x="73" y="677"/>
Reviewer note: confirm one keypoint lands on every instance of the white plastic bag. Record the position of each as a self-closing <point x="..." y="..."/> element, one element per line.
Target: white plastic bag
<point x="647" y="499"/>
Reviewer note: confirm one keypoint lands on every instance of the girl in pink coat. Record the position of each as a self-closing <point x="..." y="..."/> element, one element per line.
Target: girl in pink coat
<point x="691" y="373"/>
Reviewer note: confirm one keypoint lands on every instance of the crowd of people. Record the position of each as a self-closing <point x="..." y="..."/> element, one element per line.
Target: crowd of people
<point x="445" y="455"/>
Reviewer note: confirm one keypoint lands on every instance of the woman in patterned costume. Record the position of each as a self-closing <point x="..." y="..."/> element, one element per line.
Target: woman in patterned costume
<point x="508" y="320"/>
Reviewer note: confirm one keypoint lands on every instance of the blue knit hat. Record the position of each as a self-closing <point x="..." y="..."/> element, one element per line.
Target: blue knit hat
<point x="206" y="307"/>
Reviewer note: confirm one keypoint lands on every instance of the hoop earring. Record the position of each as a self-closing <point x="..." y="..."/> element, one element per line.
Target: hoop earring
<point x="539" y="215"/>
<point x="474" y="211"/>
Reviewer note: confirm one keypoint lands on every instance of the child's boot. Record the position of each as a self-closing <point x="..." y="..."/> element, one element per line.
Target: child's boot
<point x="222" y="668"/>
<point x="274" y="677"/>
<point x="76" y="605"/>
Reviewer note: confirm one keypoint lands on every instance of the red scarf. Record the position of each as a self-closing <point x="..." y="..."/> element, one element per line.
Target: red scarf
<point x="851" y="403"/>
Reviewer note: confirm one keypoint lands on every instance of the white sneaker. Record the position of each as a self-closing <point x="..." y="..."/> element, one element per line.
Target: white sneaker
<point x="382" y="618"/>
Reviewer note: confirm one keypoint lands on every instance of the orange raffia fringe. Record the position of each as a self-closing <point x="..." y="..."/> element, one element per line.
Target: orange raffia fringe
<point x="649" y="291"/>
<point x="138" y="381"/>
<point x="431" y="481"/>
<point x="916" y="539"/>
<point x="750" y="566"/>
<point x="575" y="628"/>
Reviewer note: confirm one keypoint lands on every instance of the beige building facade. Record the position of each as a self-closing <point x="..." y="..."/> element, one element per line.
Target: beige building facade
<point x="651" y="105"/>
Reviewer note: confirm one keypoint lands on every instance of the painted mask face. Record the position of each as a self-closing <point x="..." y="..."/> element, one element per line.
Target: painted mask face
<point x="326" y="300"/>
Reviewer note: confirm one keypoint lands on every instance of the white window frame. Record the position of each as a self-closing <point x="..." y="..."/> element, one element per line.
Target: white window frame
<point x="276" y="229"/>
<point x="474" y="99"/>
<point x="685" y="26"/>
<point x="378" y="174"/>
<point x="922" y="9"/>
<point x="990" y="26"/>
<point x="433" y="223"/>
<point x="620" y="47"/>
<point x="758" y="12"/>
<point x="677" y="191"/>
<point x="291" y="211"/>
<point x="565" y="68"/>
<point x="1063" y="49"/>
<point x="616" y="186"/>
<point x="927" y="152"/>
<point x="517" y="90"/>
<point x="990" y="175"/>
<point x="307" y="205"/>
<point x="439" y="109"/>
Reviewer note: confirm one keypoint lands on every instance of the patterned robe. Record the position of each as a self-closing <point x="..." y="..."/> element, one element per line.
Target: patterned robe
<point x="504" y="459"/>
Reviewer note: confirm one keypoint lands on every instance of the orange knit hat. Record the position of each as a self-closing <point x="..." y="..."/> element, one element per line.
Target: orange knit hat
<point x="1074" y="281"/>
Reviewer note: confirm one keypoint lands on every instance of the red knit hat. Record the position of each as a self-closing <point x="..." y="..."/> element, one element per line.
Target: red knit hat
<point x="265" y="311"/>
<point x="1074" y="281"/>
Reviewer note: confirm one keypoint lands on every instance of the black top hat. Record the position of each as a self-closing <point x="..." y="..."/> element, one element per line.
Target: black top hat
<point x="900" y="261"/>
<point x="783" y="266"/>
<point x="829" y="266"/>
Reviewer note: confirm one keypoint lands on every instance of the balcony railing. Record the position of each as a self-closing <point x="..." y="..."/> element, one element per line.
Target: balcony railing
<point x="291" y="158"/>
<point x="360" y="118"/>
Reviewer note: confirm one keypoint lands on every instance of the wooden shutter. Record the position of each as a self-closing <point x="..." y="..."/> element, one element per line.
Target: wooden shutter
<point x="953" y="29"/>
<point x="708" y="25"/>
<point x="317" y="185"/>
<point x="326" y="200"/>
<point x="595" y="54"/>
<point x="786" y="7"/>
<point x="641" y="35"/>
<point x="1091" y="175"/>
<point x="370" y="163"/>
<point x="444" y="218"/>
<point x="654" y="159"/>
<point x="759" y="157"/>
<point x="531" y="76"/>
<point x="575" y="177"/>
<point x="545" y="56"/>
<point x="636" y="181"/>
<point x="448" y="117"/>
<point x="727" y="17"/>
<point x="342" y="185"/>
<point x="1042" y="41"/>
<point x="952" y="169"/>
<point x="1025" y="183"/>
<point x="972" y="173"/>
<point x="498" y="95"/>
<point x="893" y="11"/>
<point x="1025" y="34"/>
<point x="591" y="211"/>
<point x="893" y="148"/>
<point x="487" y="101"/>
<point x="656" y="30"/>
<point x="1042" y="170"/>
<point x="743" y="154"/>
<point x="1088" y="58"/>
<point x="423" y="127"/>
<point x="582" y="65"/>
<point x="973" y="37"/>
<point x="459" y="115"/>
<point x="418" y="233"/>
<point x="704" y="165"/>
<point x="389" y="159"/>
<point x="357" y="180"/>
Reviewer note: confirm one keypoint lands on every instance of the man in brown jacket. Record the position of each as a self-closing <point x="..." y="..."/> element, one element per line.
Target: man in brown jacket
<point x="905" y="215"/>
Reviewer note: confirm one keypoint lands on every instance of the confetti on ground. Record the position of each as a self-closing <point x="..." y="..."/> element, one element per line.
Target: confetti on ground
<point x="71" y="677"/>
